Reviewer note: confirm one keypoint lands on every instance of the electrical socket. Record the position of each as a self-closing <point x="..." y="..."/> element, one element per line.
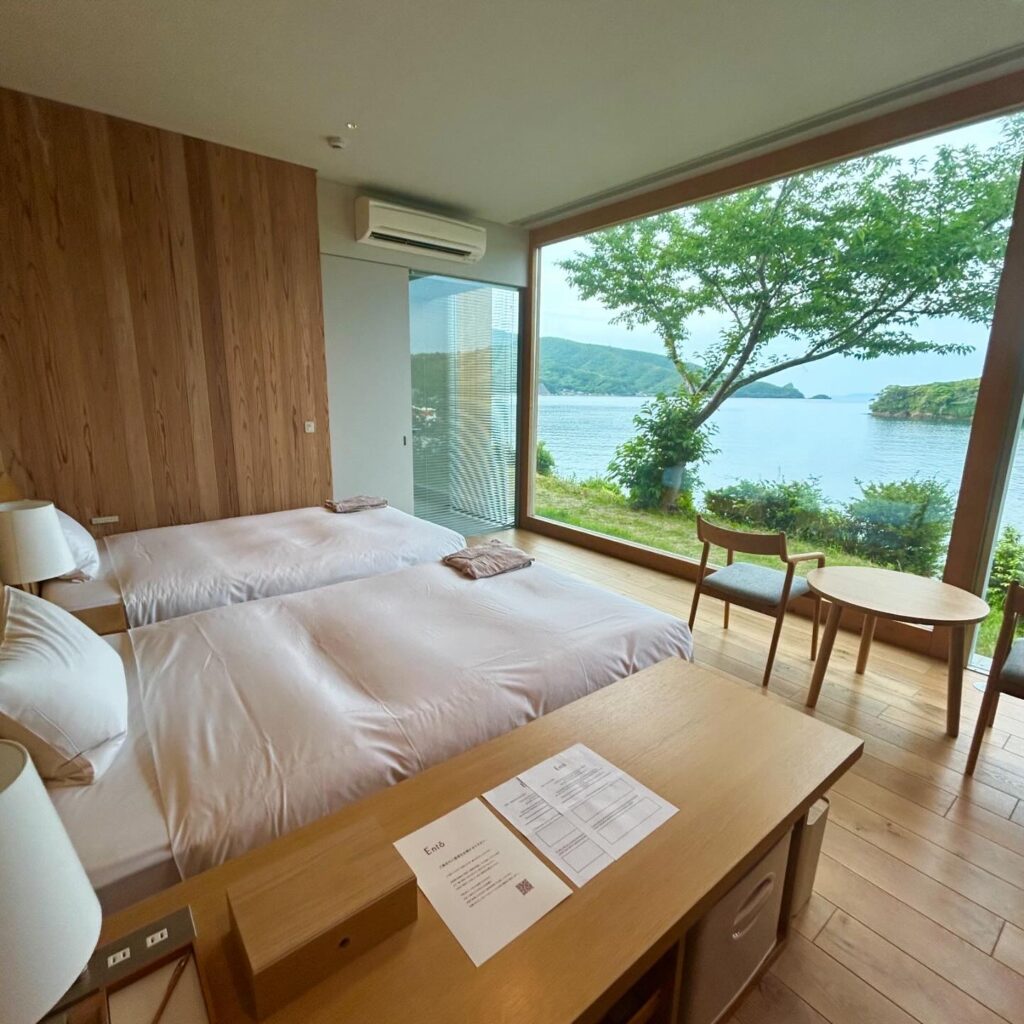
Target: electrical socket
<point x="119" y="957"/>
<point x="156" y="938"/>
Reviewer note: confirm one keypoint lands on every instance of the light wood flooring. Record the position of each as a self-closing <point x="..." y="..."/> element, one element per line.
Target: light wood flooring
<point x="918" y="911"/>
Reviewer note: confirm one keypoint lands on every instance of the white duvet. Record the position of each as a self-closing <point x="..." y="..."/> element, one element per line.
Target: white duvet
<point x="266" y="716"/>
<point x="177" y="570"/>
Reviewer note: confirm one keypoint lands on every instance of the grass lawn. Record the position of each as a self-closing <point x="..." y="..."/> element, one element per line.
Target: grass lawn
<point x="604" y="510"/>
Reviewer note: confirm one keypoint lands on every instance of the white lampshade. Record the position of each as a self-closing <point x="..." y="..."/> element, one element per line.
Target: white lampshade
<point x="32" y="544"/>
<point x="49" y="915"/>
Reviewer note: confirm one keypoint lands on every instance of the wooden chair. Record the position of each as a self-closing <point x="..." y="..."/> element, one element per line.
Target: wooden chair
<point x="757" y="587"/>
<point x="1007" y="672"/>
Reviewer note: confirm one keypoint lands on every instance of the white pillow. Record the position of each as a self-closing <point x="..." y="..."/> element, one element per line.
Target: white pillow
<point x="83" y="549"/>
<point x="62" y="690"/>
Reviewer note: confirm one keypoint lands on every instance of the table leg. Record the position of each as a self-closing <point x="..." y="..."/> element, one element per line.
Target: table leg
<point x="867" y="633"/>
<point x="835" y="612"/>
<point x="955" y="678"/>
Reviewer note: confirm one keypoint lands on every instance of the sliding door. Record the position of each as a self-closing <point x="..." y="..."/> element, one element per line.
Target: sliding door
<point x="465" y="342"/>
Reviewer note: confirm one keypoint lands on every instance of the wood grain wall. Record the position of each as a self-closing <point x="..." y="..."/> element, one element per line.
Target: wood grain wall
<point x="161" y="324"/>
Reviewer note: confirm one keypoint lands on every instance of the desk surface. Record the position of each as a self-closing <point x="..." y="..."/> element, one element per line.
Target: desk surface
<point x="742" y="768"/>
<point x="889" y="594"/>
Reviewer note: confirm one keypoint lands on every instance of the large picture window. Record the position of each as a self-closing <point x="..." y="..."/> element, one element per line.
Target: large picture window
<point x="801" y="356"/>
<point x="465" y="342"/>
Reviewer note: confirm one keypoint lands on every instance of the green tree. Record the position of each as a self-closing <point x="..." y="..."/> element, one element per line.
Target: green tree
<point x="1007" y="566"/>
<point x="842" y="261"/>
<point x="545" y="460"/>
<point x="651" y="465"/>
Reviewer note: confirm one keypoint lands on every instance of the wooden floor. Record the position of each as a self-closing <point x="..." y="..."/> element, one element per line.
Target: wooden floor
<point x="918" y="911"/>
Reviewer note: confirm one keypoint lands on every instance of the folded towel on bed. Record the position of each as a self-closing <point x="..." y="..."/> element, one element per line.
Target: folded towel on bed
<point x="484" y="560"/>
<point x="359" y="503"/>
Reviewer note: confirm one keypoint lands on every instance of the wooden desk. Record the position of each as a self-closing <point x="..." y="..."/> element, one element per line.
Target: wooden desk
<point x="742" y="768"/>
<point x="886" y="594"/>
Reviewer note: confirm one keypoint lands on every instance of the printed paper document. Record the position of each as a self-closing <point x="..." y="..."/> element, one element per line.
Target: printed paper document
<point x="580" y="810"/>
<point x="484" y="883"/>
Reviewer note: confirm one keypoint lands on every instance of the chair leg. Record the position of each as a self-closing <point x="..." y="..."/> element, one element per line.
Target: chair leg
<point x="992" y="714"/>
<point x="814" y="628"/>
<point x="774" y="646"/>
<point x="693" y="606"/>
<point x="985" y="715"/>
<point x="725" y="616"/>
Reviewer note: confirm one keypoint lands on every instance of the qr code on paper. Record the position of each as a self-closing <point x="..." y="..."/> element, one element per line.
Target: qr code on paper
<point x="524" y="886"/>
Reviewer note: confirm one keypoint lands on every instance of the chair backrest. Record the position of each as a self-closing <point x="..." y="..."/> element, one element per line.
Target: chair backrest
<point x="743" y="541"/>
<point x="1013" y="608"/>
<point x="1014" y="603"/>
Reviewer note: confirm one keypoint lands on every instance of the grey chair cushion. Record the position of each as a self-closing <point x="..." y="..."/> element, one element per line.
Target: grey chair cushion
<point x="1011" y="679"/>
<point x="756" y="585"/>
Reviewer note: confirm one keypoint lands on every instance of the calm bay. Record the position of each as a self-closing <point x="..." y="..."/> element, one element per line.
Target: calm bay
<point x="838" y="442"/>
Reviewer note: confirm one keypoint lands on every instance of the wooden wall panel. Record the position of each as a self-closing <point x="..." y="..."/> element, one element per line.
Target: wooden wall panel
<point x="161" y="324"/>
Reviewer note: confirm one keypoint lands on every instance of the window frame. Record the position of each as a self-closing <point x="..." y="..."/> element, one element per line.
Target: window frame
<point x="1001" y="392"/>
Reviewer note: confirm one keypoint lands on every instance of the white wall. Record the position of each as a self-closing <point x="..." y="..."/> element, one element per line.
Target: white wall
<point x="366" y="325"/>
<point x="504" y="262"/>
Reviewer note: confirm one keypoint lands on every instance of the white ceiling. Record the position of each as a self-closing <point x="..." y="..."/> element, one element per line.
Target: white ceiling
<point x="502" y="110"/>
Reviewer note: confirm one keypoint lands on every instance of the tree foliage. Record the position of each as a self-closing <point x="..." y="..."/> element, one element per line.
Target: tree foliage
<point x="666" y="436"/>
<point x="841" y="261"/>
<point x="545" y="460"/>
<point x="1007" y="566"/>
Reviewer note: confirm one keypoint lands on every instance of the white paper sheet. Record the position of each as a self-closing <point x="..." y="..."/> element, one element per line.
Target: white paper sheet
<point x="484" y="883"/>
<point x="570" y="849"/>
<point x="574" y="805"/>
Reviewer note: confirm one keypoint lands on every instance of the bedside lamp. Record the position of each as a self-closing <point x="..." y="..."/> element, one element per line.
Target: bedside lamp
<point x="32" y="543"/>
<point x="49" y="915"/>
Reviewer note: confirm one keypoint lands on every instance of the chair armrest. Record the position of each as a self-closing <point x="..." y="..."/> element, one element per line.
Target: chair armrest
<point x="809" y="556"/>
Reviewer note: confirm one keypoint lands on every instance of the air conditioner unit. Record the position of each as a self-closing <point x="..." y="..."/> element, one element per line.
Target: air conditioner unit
<point x="398" y="227"/>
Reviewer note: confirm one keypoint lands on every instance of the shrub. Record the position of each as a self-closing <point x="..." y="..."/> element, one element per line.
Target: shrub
<point x="545" y="460"/>
<point x="794" y="506"/>
<point x="659" y="457"/>
<point x="1007" y="566"/>
<point x="903" y="525"/>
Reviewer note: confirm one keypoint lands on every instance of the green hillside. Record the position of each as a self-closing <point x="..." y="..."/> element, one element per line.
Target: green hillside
<point x="574" y="368"/>
<point x="944" y="400"/>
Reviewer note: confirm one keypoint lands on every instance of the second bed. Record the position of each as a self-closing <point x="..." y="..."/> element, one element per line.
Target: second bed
<point x="151" y="575"/>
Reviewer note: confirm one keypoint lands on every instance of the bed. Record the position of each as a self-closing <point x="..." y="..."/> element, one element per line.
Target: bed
<point x="255" y="719"/>
<point x="151" y="575"/>
<point x="117" y="824"/>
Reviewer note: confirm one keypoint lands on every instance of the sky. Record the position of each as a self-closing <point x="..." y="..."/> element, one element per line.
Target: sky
<point x="563" y="314"/>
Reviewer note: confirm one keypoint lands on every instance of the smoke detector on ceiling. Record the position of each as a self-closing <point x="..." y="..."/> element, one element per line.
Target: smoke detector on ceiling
<point x="337" y="142"/>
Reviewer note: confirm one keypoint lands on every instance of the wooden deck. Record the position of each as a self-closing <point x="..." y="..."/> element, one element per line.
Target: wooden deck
<point x="918" y="912"/>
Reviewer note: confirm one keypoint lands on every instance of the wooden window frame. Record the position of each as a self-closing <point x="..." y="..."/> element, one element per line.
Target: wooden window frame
<point x="996" y="423"/>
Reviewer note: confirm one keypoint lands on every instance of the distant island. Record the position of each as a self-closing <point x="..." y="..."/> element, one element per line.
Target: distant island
<point x="951" y="401"/>
<point x="574" y="368"/>
<point x="762" y="389"/>
<point x="827" y="398"/>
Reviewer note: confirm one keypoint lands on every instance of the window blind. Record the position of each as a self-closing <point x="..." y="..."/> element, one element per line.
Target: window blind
<point x="465" y="340"/>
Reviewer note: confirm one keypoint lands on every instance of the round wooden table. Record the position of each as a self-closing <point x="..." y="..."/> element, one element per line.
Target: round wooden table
<point x="886" y="594"/>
